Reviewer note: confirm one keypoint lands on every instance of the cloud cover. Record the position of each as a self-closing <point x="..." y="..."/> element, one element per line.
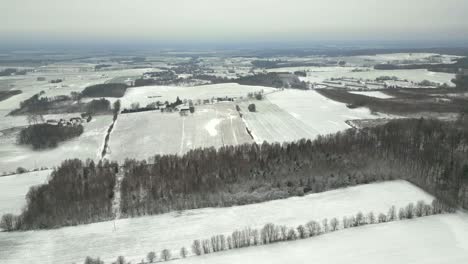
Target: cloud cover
<point x="234" y="20"/>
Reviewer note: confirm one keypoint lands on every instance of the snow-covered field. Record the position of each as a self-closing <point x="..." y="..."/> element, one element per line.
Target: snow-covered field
<point x="88" y="145"/>
<point x="294" y="114"/>
<point x="375" y="94"/>
<point x="15" y="187"/>
<point x="145" y="134"/>
<point x="134" y="238"/>
<point x="169" y="93"/>
<point x="432" y="239"/>
<point x="320" y="74"/>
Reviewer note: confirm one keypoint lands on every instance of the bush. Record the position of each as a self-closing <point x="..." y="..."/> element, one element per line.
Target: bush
<point x="21" y="170"/>
<point x="252" y="108"/>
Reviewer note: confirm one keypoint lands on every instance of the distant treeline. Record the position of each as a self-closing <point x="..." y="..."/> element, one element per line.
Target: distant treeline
<point x="273" y="64"/>
<point x="7" y="94"/>
<point x="461" y="63"/>
<point x="41" y="136"/>
<point x="408" y="101"/>
<point x="271" y="79"/>
<point x="40" y="104"/>
<point x="12" y="71"/>
<point x="429" y="153"/>
<point x="105" y="90"/>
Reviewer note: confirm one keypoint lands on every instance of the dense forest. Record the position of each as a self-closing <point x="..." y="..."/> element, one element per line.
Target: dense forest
<point x="77" y="193"/>
<point x="429" y="153"/>
<point x="105" y="90"/>
<point x="41" y="136"/>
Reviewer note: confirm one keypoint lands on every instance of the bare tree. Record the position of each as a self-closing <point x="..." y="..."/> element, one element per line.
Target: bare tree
<point x="292" y="234"/>
<point x="334" y="224"/>
<point x="183" y="252"/>
<point x="391" y="215"/>
<point x="197" y="247"/>
<point x="165" y="255"/>
<point x="151" y="257"/>
<point x="419" y="211"/>
<point x="409" y="210"/>
<point x="382" y="218"/>
<point x="313" y="228"/>
<point x="206" y="245"/>
<point x="360" y="219"/>
<point x="120" y="260"/>
<point x="346" y="222"/>
<point x="301" y="231"/>
<point x="371" y="218"/>
<point x="7" y="222"/>
<point x="401" y="214"/>
<point x="326" y="228"/>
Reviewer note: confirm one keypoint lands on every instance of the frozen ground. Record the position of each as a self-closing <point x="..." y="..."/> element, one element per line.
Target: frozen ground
<point x="170" y="93"/>
<point x="376" y="94"/>
<point x="15" y="187"/>
<point x="432" y="239"/>
<point x="88" y="145"/>
<point x="145" y="134"/>
<point x="294" y="114"/>
<point x="320" y="74"/>
<point x="134" y="238"/>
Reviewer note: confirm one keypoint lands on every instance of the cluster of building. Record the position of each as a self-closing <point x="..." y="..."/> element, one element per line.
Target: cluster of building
<point x="74" y="121"/>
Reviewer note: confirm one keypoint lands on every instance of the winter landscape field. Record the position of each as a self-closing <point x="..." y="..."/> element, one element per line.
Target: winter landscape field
<point x="135" y="237"/>
<point x="191" y="152"/>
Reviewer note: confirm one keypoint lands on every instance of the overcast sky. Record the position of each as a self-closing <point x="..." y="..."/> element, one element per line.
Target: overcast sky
<point x="233" y="20"/>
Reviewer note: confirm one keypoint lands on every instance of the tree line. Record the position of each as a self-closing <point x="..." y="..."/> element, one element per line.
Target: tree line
<point x="429" y="153"/>
<point x="271" y="233"/>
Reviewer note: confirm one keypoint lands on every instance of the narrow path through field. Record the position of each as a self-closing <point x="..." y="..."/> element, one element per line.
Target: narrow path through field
<point x="182" y="139"/>
<point x="117" y="197"/>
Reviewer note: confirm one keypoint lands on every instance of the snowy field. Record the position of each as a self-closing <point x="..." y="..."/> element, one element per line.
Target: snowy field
<point x="375" y="94"/>
<point x="134" y="238"/>
<point x="88" y="145"/>
<point x="294" y="114"/>
<point x="145" y="134"/>
<point x="15" y="187"/>
<point x="170" y="93"/>
<point x="432" y="239"/>
<point x="320" y="74"/>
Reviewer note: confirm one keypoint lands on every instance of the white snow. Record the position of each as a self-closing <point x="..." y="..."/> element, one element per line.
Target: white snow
<point x="211" y="126"/>
<point x="294" y="114"/>
<point x="375" y="94"/>
<point x="145" y="134"/>
<point x="13" y="189"/>
<point x="148" y="94"/>
<point x="87" y="145"/>
<point x="134" y="238"/>
<point x="432" y="239"/>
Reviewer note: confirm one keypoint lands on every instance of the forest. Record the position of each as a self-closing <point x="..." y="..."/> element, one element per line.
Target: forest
<point x="105" y="90"/>
<point x="431" y="154"/>
<point x="41" y="136"/>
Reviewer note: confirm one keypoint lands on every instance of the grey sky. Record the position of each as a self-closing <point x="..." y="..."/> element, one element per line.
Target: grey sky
<point x="239" y="20"/>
